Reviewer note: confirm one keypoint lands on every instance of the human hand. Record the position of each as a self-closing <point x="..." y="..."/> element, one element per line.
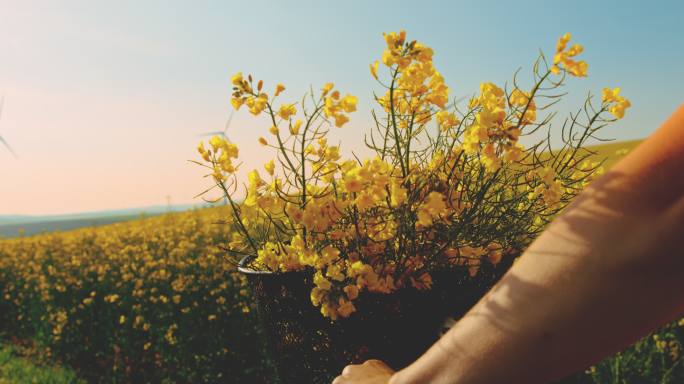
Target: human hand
<point x="370" y="372"/>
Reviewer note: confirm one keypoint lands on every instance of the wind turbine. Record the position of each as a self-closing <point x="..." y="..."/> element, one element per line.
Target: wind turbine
<point x="2" y="139"/>
<point x="223" y="133"/>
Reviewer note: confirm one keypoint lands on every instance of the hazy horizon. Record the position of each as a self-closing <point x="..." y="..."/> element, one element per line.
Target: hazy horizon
<point x="155" y="208"/>
<point x="104" y="101"/>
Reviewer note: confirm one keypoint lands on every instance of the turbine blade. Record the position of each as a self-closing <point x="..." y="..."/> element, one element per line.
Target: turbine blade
<point x="214" y="133"/>
<point x="230" y="119"/>
<point x="2" y="139"/>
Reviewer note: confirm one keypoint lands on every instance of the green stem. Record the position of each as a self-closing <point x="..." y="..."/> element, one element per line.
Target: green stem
<point x="397" y="143"/>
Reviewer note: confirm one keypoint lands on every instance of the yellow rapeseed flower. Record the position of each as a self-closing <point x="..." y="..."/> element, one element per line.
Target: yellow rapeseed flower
<point x="270" y="167"/>
<point x="237" y="79"/>
<point x="294" y="128"/>
<point x="279" y="88"/>
<point x="327" y="87"/>
<point x="563" y="58"/>
<point x="617" y="105"/>
<point x="287" y="110"/>
<point x="374" y="69"/>
<point x="348" y="103"/>
<point x="352" y="291"/>
<point x="340" y="120"/>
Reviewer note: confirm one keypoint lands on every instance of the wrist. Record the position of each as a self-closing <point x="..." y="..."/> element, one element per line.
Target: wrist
<point x="415" y="373"/>
<point x="398" y="378"/>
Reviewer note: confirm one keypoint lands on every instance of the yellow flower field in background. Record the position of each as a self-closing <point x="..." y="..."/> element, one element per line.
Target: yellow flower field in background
<point x="140" y="301"/>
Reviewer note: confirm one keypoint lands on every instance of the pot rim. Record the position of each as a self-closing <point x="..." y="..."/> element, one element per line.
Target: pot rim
<point x="242" y="267"/>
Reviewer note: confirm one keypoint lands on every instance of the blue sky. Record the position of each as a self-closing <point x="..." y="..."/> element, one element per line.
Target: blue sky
<point x="104" y="99"/>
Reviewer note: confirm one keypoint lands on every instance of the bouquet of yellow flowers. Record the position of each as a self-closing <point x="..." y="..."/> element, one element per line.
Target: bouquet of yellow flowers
<point x="450" y="186"/>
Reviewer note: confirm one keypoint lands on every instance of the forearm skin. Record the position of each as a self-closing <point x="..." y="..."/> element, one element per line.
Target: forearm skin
<point x="605" y="272"/>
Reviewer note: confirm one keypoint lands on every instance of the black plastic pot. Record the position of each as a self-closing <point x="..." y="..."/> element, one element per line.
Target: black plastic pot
<point x="396" y="328"/>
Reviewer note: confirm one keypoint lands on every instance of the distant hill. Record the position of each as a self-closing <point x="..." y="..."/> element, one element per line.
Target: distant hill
<point x="13" y="225"/>
<point x="613" y="151"/>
